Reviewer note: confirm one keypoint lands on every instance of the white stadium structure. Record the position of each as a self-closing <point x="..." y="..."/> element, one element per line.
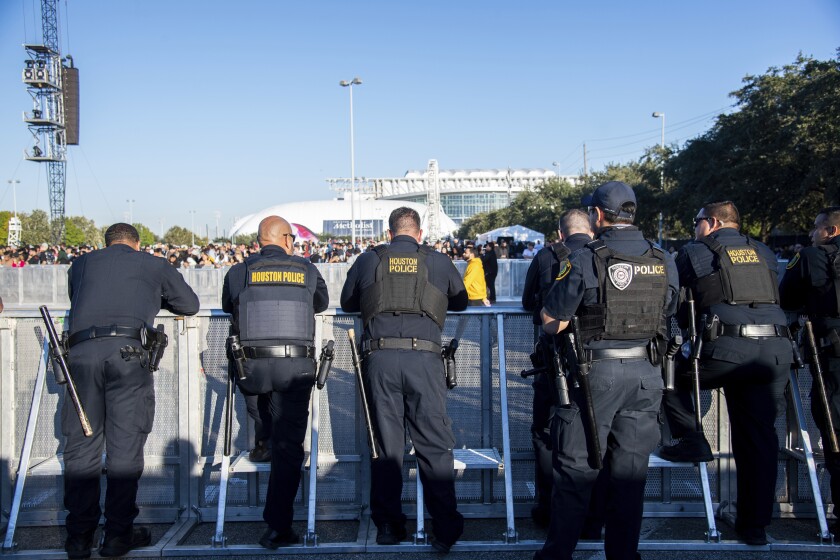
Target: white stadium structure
<point x="334" y="217"/>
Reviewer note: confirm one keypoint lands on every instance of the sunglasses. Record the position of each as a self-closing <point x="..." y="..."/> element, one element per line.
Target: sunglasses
<point x="698" y="220"/>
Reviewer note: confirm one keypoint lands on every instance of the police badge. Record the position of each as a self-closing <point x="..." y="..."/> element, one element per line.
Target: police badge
<point x="621" y="274"/>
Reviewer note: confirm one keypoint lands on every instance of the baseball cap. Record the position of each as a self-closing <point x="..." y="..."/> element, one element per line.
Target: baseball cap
<point x="610" y="197"/>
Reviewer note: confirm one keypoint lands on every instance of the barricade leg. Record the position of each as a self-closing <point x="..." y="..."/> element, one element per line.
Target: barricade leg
<point x="799" y="417"/>
<point x="510" y="533"/>
<point x="26" y="451"/>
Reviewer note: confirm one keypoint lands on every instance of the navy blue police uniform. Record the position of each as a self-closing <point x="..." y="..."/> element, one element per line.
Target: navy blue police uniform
<point x="114" y="294"/>
<point x="273" y="298"/>
<point x="811" y="284"/>
<point x="404" y="306"/>
<point x="746" y="351"/>
<point x="538" y="281"/>
<point x="623" y="288"/>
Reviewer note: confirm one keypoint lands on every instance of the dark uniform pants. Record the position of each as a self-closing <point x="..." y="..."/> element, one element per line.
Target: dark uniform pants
<point x="753" y="374"/>
<point x="831" y="375"/>
<point x="288" y="404"/>
<point x="119" y="399"/>
<point x="626" y="396"/>
<point x="409" y="386"/>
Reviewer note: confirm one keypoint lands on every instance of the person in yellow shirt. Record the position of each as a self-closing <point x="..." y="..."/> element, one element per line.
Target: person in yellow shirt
<point x="474" y="278"/>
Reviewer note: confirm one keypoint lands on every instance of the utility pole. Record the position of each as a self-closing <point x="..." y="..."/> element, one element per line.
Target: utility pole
<point x="585" y="168"/>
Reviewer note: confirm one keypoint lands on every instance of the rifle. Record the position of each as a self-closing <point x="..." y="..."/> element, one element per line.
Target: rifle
<point x="819" y="384"/>
<point x="58" y="356"/>
<point x="583" y="381"/>
<point x="696" y="341"/>
<point x="546" y="359"/>
<point x="357" y="365"/>
<point x="325" y="363"/>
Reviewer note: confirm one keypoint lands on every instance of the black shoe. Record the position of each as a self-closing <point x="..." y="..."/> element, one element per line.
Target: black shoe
<point x="755" y="536"/>
<point x="79" y="546"/>
<point x="260" y="453"/>
<point x="688" y="450"/>
<point x="441" y="546"/>
<point x="389" y="534"/>
<point x="272" y="539"/>
<point x="121" y="545"/>
<point x="540" y="516"/>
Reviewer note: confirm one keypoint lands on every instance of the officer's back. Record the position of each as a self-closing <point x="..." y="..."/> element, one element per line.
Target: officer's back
<point x="441" y="274"/>
<point x="119" y="285"/>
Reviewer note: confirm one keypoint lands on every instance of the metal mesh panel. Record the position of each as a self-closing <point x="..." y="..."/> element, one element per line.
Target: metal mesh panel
<point x="338" y="481"/>
<point x="213" y="388"/>
<point x="44" y="493"/>
<point x="158" y="486"/>
<point x="164" y="438"/>
<point x="464" y="402"/>
<point x="29" y="339"/>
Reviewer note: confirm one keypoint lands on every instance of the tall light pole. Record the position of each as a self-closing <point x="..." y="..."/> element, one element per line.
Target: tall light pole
<point x="657" y="115"/>
<point x="14" y="223"/>
<point x="344" y="83"/>
<point x="192" y="227"/>
<point x="557" y="165"/>
<point x="131" y="211"/>
<point x="218" y="215"/>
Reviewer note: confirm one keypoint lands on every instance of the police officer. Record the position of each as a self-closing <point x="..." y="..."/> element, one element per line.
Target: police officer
<point x="574" y="232"/>
<point x="746" y="351"/>
<point x="403" y="291"/>
<point x="273" y="297"/>
<point x="810" y="285"/>
<point x="115" y="295"/>
<point x="623" y="288"/>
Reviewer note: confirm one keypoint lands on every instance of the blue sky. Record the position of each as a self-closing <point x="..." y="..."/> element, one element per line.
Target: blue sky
<point x="222" y="106"/>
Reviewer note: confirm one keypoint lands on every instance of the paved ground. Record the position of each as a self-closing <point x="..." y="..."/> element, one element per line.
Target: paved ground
<point x="662" y="539"/>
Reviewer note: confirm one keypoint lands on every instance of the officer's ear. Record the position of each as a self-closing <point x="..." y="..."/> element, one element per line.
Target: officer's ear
<point x="390" y="235"/>
<point x="419" y="236"/>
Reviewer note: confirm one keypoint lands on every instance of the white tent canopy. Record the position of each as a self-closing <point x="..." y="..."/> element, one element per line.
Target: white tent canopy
<point x="519" y="233"/>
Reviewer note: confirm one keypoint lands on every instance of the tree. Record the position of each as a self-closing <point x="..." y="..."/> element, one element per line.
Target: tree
<point x="89" y="233"/>
<point x="73" y="234"/>
<point x="537" y="209"/>
<point x="147" y="237"/>
<point x="777" y="157"/>
<point x="35" y="228"/>
<point x="5" y="216"/>
<point x="176" y="235"/>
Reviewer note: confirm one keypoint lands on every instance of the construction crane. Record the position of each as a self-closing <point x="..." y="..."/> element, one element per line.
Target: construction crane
<point x="53" y="84"/>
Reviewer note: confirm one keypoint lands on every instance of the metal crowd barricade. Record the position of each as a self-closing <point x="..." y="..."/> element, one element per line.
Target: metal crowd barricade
<point x="490" y="409"/>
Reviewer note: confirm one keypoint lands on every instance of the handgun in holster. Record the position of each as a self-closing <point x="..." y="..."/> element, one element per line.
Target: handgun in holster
<point x="156" y="342"/>
<point x="237" y="354"/>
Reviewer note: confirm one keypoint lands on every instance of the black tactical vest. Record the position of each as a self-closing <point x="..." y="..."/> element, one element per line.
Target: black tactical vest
<point x="743" y="276"/>
<point x="401" y="285"/>
<point x="824" y="301"/>
<point x="632" y="295"/>
<point x="276" y="304"/>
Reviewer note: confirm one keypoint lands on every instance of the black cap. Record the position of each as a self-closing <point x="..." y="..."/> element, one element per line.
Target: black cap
<point x="610" y="197"/>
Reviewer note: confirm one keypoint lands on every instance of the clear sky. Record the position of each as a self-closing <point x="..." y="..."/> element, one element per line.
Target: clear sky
<point x="231" y="106"/>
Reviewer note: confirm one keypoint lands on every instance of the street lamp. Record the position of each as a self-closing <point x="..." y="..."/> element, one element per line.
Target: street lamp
<point x="557" y="165"/>
<point x="192" y="227"/>
<point x="14" y="223"/>
<point x="344" y="83"/>
<point x="131" y="211"/>
<point x="657" y="115"/>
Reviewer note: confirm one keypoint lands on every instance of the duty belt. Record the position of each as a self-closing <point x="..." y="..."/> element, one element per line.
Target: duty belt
<point x="102" y="332"/>
<point x="754" y="331"/>
<point x="617" y="353"/>
<point x="400" y="344"/>
<point x="286" y="351"/>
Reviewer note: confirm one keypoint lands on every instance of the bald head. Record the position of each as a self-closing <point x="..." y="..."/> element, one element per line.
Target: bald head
<point x="274" y="230"/>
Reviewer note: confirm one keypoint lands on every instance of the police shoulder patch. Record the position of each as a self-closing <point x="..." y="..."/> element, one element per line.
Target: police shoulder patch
<point x="792" y="262"/>
<point x="565" y="269"/>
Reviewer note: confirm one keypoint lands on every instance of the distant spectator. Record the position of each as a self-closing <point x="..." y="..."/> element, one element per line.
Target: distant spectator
<point x="491" y="269"/>
<point x="529" y="251"/>
<point x="474" y="278"/>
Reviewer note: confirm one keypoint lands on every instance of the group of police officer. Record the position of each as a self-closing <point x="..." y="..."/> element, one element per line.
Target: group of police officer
<point x="619" y="288"/>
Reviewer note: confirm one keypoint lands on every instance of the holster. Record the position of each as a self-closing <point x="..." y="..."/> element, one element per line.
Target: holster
<point x="711" y="330"/>
<point x="155" y="341"/>
<point x="237" y="354"/>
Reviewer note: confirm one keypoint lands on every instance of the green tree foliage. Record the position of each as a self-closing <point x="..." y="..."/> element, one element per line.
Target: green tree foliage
<point x="177" y="235"/>
<point x="5" y="215"/>
<point x="147" y="237"/>
<point x="35" y="228"/>
<point x="538" y="209"/>
<point x="777" y="156"/>
<point x="82" y="231"/>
